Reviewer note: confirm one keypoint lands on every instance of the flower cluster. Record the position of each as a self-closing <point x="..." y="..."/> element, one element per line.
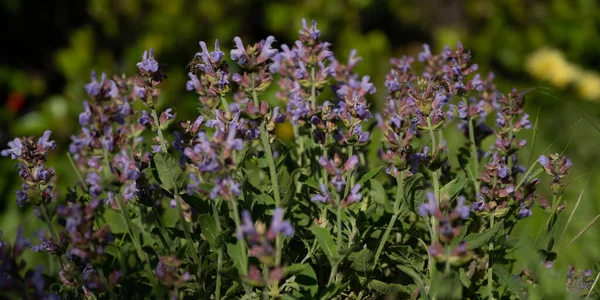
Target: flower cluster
<point x="444" y="218"/>
<point x="557" y="166"/>
<point x="150" y="76"/>
<point x="209" y="75"/>
<point x="448" y="224"/>
<point x="37" y="186"/>
<point x="15" y="279"/>
<point x="260" y="240"/>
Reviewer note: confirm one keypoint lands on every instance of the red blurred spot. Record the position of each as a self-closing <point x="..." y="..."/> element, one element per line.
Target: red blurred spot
<point x="15" y="102"/>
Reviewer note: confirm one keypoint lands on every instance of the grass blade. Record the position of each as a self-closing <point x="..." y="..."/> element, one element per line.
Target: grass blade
<point x="581" y="232"/>
<point x="533" y="138"/>
<point x="574" y="209"/>
<point x="593" y="286"/>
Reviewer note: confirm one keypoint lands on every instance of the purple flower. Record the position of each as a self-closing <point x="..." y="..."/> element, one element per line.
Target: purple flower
<point x="355" y="195"/>
<point x="479" y="205"/>
<point x="217" y="54"/>
<point x="338" y="182"/>
<point x="148" y="64"/>
<point x="15" y="149"/>
<point x="86" y="116"/>
<point x="430" y="207"/>
<point x="503" y="171"/>
<point x="93" y="88"/>
<point x="524" y="211"/>
<point x="247" y="226"/>
<point x="45" y="142"/>
<point x="193" y="83"/>
<point x="425" y="54"/>
<point x="21" y="198"/>
<point x="130" y="191"/>
<point x="324" y="196"/>
<point x="309" y="33"/>
<point x="239" y="54"/>
<point x="45" y="173"/>
<point x="145" y="119"/>
<point x="462" y="210"/>
<point x="94" y="181"/>
<point x="278" y="225"/>
<point x="267" y="52"/>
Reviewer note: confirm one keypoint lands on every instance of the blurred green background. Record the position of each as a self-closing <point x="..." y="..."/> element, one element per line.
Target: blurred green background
<point x="50" y="47"/>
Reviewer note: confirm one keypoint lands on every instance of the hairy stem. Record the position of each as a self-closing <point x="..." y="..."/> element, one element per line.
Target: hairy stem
<point x="264" y="136"/>
<point x="313" y="88"/>
<point x="220" y="251"/>
<point x="490" y="280"/>
<point x="474" y="155"/>
<point x="338" y="241"/>
<point x="186" y="227"/>
<point x="163" y="143"/>
<point x="236" y="219"/>
<point x="436" y="192"/>
<point x="136" y="243"/>
<point x="79" y="176"/>
<point x="399" y="193"/>
<point x="161" y="236"/>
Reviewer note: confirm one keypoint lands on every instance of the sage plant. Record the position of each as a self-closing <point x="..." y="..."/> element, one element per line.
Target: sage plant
<point x="422" y="221"/>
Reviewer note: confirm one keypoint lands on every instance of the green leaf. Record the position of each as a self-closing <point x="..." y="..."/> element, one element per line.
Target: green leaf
<point x="169" y="172"/>
<point x="362" y="261"/>
<point x="209" y="230"/>
<point x="478" y="240"/>
<point x="238" y="258"/>
<point x="332" y="290"/>
<point x="452" y="188"/>
<point x="446" y="286"/>
<point x="199" y="204"/>
<point x="326" y="242"/>
<point x="414" y="193"/>
<point x="418" y="280"/>
<point x="312" y="183"/>
<point x="379" y="195"/>
<point x="306" y="278"/>
<point x="232" y="290"/>
<point x="507" y="280"/>
<point x="399" y="291"/>
<point x="464" y="278"/>
<point x="405" y="255"/>
<point x="369" y="176"/>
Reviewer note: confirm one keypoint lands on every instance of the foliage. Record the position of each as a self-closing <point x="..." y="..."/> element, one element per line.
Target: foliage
<point x="437" y="223"/>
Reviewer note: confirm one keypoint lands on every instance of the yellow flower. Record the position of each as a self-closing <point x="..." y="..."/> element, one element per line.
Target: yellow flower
<point x="588" y="86"/>
<point x="550" y="64"/>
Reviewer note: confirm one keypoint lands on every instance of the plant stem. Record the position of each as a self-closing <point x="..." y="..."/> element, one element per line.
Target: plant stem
<point x="81" y="181"/>
<point x="334" y="269"/>
<point x="436" y="193"/>
<point x="264" y="136"/>
<point x="338" y="241"/>
<point x="161" y="229"/>
<point x="163" y="143"/>
<point x="134" y="238"/>
<point x="186" y="227"/>
<point x="399" y="192"/>
<point x="220" y="251"/>
<point x="474" y="155"/>
<point x="266" y="279"/>
<point x="490" y="281"/>
<point x="48" y="222"/>
<point x="242" y="246"/>
<point x="313" y="88"/>
<point x="347" y="189"/>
